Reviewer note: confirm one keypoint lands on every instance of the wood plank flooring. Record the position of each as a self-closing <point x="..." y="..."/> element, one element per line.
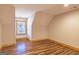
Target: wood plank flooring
<point x="41" y="47"/>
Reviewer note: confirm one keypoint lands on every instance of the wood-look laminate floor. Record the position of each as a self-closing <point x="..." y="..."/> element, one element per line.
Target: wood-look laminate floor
<point x="42" y="47"/>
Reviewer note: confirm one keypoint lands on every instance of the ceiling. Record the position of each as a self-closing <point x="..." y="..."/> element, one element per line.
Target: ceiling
<point x="53" y="9"/>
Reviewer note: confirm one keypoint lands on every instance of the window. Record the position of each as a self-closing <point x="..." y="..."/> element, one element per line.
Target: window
<point x="21" y="26"/>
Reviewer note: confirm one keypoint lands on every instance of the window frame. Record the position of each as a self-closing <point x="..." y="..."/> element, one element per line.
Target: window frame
<point x="25" y="26"/>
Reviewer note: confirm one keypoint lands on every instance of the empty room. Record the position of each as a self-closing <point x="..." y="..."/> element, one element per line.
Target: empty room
<point x="39" y="29"/>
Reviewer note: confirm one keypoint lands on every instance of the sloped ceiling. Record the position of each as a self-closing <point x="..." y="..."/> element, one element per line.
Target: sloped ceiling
<point x="50" y="8"/>
<point x="27" y="10"/>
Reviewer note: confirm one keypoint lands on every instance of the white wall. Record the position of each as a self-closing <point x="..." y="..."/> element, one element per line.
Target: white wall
<point x="39" y="29"/>
<point x="65" y="28"/>
<point x="29" y="26"/>
<point x="7" y="18"/>
<point x="21" y="12"/>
